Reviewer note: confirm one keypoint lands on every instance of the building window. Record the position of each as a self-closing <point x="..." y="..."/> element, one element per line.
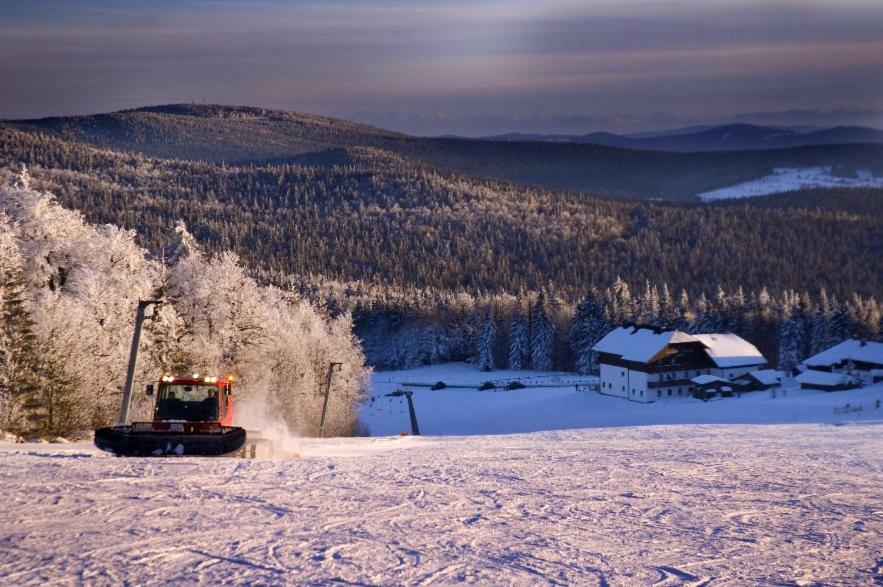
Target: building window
<point x="669" y="392"/>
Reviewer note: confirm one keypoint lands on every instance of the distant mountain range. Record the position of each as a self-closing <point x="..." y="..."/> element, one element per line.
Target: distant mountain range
<point x="639" y="167"/>
<point x="731" y="137"/>
<point x="474" y="125"/>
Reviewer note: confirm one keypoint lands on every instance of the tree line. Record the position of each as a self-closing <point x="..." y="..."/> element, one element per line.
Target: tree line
<point x="409" y="327"/>
<point x="376" y="217"/>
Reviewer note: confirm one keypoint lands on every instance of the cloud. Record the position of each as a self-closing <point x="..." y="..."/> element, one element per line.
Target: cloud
<point x="481" y="58"/>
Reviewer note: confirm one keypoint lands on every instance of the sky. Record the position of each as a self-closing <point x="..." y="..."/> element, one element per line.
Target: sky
<point x="475" y="67"/>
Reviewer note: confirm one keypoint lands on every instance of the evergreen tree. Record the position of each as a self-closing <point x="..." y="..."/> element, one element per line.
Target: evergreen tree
<point x="793" y="337"/>
<point x="649" y="305"/>
<point x="542" y="338"/>
<point x="820" y="329"/>
<point x="587" y="329"/>
<point x="788" y="342"/>
<point x="669" y="316"/>
<point x="487" y="340"/>
<point x="21" y="359"/>
<point x="518" y="341"/>
<point x="840" y="328"/>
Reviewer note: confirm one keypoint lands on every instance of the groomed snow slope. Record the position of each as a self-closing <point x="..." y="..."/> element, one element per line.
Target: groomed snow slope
<point x="787" y="179"/>
<point x="681" y="505"/>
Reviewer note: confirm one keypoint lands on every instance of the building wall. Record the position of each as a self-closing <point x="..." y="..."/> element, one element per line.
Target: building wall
<point x="614" y="380"/>
<point x="635" y="385"/>
<point x="638" y="386"/>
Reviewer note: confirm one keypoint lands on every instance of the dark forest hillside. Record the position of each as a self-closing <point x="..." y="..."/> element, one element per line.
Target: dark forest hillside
<point x="381" y="217"/>
<point x="237" y="135"/>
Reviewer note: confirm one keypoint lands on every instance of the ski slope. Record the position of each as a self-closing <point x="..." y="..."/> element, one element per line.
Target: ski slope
<point x="556" y="404"/>
<point x="663" y="505"/>
<point x="787" y="179"/>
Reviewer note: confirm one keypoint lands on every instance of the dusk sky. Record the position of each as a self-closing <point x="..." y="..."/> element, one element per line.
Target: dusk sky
<point x="467" y="67"/>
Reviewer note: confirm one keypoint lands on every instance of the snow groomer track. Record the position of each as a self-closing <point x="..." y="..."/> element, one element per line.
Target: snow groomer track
<point x="665" y="505"/>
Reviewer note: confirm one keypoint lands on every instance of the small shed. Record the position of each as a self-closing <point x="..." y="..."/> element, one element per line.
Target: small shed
<point x="706" y="387"/>
<point x="825" y="381"/>
<point x="760" y="380"/>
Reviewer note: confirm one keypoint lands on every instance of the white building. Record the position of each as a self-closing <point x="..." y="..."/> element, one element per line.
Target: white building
<point x="859" y="358"/>
<point x="645" y="364"/>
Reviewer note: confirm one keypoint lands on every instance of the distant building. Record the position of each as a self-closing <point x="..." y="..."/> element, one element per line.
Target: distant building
<point x="646" y="364"/>
<point x="759" y="380"/>
<point x="860" y="358"/>
<point x="706" y="387"/>
<point x="827" y="381"/>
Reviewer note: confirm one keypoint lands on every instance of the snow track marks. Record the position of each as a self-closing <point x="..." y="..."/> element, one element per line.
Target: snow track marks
<point x="679" y="505"/>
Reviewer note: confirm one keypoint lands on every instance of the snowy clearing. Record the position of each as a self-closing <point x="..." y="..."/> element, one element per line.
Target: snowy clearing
<point x="681" y="505"/>
<point x="787" y="179"/>
<point x="558" y="405"/>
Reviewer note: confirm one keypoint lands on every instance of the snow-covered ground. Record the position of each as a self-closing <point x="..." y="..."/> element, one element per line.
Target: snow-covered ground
<point x="791" y="498"/>
<point x="678" y="505"/>
<point x="786" y="179"/>
<point x="560" y="405"/>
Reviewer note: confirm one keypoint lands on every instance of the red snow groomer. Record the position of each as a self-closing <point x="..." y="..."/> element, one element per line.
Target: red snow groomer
<point x="193" y="415"/>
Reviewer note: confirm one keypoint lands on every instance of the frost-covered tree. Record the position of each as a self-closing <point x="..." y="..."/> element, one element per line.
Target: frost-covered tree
<point x="73" y="288"/>
<point x="518" y="341"/>
<point x="588" y="327"/>
<point x="820" y="327"/>
<point x="542" y="339"/>
<point x="487" y="340"/>
<point x="794" y="335"/>
<point x="669" y="316"/>
<point x="20" y="405"/>
<point x="649" y="305"/>
<point x="840" y="327"/>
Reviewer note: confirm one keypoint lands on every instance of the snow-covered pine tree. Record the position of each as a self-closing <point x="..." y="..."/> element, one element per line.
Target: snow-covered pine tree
<point x="518" y="340"/>
<point x="706" y="317"/>
<point x="793" y="334"/>
<point x="649" y="305"/>
<point x="789" y="335"/>
<point x="820" y="329"/>
<point x="840" y="325"/>
<point x="622" y="302"/>
<point x="738" y="319"/>
<point x="542" y="339"/>
<point x="586" y="330"/>
<point x="669" y="316"/>
<point x="21" y="408"/>
<point x="487" y="341"/>
<point x="686" y="315"/>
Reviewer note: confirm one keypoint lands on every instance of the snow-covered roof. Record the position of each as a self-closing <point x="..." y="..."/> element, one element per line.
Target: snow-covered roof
<point x="705" y="379"/>
<point x="849" y="350"/>
<point x="639" y="344"/>
<point x="823" y="378"/>
<point x="730" y="350"/>
<point x="768" y="376"/>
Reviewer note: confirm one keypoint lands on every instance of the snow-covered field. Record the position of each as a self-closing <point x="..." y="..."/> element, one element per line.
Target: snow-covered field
<point x="678" y="505"/>
<point x="791" y="498"/>
<point x="786" y="179"/>
<point x="559" y="405"/>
